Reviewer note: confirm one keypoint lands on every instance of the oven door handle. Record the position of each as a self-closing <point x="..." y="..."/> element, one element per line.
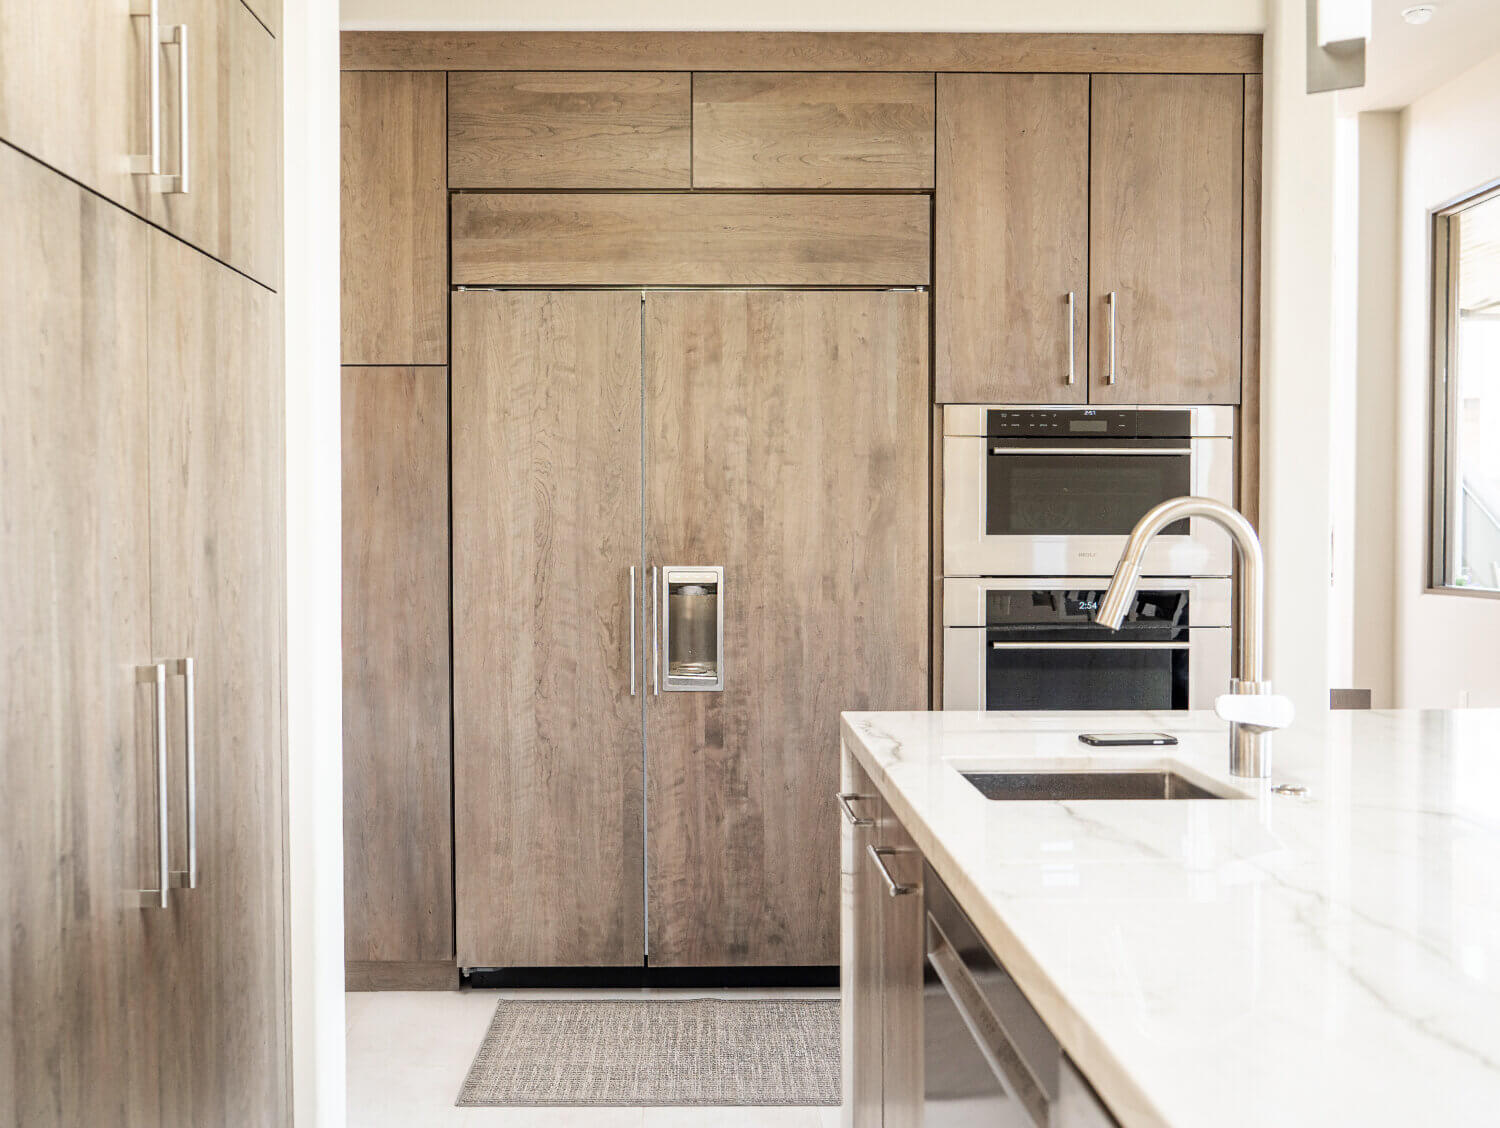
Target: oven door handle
<point x="1095" y="452"/>
<point x="1090" y="645"/>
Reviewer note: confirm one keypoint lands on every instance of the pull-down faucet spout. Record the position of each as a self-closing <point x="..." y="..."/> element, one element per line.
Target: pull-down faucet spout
<point x="1252" y="710"/>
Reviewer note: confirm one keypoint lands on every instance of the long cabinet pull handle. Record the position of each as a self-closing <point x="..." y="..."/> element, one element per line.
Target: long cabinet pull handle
<point x="1114" y="305"/>
<point x="178" y="185"/>
<point x="184" y="668"/>
<point x="156" y="674"/>
<point x="149" y="162"/>
<point x="632" y="630"/>
<point x="846" y="798"/>
<point x="655" y="648"/>
<point x="1072" y="365"/>
<point x="878" y="855"/>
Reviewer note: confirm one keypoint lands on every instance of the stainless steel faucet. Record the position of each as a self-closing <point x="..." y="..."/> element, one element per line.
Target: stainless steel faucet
<point x="1252" y="710"/>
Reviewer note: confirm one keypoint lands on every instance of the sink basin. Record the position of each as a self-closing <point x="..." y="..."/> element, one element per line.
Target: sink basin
<point x="1155" y="783"/>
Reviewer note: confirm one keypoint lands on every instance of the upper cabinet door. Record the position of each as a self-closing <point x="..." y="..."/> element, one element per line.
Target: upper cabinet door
<point x="394" y="218"/>
<point x="1165" y="225"/>
<point x="1012" y="238"/>
<point x="812" y="130"/>
<point x="598" y="129"/>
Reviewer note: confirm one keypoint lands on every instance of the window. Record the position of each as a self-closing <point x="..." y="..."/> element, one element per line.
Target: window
<point x="1466" y="395"/>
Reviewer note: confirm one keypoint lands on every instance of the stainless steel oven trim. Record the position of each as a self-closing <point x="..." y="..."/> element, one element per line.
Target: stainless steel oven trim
<point x="1210" y="600"/>
<point x="1207" y="420"/>
<point x="969" y="551"/>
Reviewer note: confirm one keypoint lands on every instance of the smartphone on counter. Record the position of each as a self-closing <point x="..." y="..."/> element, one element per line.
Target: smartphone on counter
<point x="1125" y="739"/>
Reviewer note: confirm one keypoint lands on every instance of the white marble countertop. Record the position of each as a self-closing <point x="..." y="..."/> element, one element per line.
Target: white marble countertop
<point x="1272" y="961"/>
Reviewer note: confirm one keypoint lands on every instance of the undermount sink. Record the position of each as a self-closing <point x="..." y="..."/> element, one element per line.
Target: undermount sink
<point x="1154" y="783"/>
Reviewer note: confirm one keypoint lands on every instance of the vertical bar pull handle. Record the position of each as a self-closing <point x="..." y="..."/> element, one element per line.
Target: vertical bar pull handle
<point x="632" y="630"/>
<point x="1114" y="306"/>
<point x="1072" y="366"/>
<point x="178" y="185"/>
<point x="149" y="162"/>
<point x="156" y="674"/>
<point x="655" y="648"/>
<point x="184" y="668"/>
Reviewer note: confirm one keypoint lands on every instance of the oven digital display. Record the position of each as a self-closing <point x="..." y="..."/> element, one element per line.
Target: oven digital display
<point x="1088" y="426"/>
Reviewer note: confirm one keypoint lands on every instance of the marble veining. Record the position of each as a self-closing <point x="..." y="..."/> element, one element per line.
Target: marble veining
<point x="1269" y="961"/>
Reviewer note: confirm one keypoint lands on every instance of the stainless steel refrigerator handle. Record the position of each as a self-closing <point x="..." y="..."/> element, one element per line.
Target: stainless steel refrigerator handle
<point x="655" y="649"/>
<point x="632" y="630"/>
<point x="156" y="674"/>
<point x="986" y="1030"/>
<point x="188" y="878"/>
<point x="1093" y="452"/>
<point x="1072" y="366"/>
<point x="149" y="162"/>
<point x="1113" y="307"/>
<point x="1090" y="645"/>
<point x="178" y="185"/>
<point x="878" y="855"/>
<point x="845" y="798"/>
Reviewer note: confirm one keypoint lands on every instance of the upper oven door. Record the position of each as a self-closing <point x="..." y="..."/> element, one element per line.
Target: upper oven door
<point x="1037" y="505"/>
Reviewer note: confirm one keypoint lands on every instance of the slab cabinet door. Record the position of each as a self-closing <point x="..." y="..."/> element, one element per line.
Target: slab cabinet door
<point x="398" y="755"/>
<point x="218" y="571"/>
<point x="862" y="1017"/>
<point x="1166" y="201"/>
<point x="903" y="955"/>
<point x="786" y="442"/>
<point x="546" y="528"/>
<point x="1011" y="263"/>
<point x="79" y="767"/>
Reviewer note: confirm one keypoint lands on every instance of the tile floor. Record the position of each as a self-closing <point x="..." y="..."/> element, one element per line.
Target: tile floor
<point x="409" y="1052"/>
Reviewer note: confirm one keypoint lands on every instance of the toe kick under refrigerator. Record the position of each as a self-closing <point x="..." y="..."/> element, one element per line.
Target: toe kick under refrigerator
<point x="689" y="528"/>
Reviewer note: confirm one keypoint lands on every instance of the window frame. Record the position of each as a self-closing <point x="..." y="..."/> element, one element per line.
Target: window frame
<point x="1442" y="454"/>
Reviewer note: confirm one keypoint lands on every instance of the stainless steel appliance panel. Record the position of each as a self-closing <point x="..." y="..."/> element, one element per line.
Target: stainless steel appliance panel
<point x="1091" y="481"/>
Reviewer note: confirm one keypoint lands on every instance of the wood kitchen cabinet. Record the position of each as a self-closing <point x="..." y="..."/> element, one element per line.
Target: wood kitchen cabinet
<point x="217" y="596"/>
<point x="1165" y="215"/>
<point x="546" y="683"/>
<point x="1125" y="192"/>
<point x="884" y="952"/>
<point x="394" y="219"/>
<point x="143" y="511"/>
<point x="398" y="815"/>
<point x="569" y="129"/>
<point x="793" y="130"/>
<point x="1011" y="267"/>
<point x="786" y="441"/>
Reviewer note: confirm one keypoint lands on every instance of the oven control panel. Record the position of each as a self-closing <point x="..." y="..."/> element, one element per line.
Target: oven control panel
<point x="1087" y="423"/>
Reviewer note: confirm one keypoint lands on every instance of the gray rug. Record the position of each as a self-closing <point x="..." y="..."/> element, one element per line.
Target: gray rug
<point x="658" y="1052"/>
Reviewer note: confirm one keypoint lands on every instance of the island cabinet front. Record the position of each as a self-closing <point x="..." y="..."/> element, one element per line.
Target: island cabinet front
<point x="937" y="1034"/>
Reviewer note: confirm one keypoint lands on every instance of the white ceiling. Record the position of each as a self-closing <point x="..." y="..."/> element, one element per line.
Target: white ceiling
<point x="1404" y="61"/>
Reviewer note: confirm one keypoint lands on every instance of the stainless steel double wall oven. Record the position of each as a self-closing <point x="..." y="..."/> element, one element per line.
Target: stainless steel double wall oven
<point x="1037" y="503"/>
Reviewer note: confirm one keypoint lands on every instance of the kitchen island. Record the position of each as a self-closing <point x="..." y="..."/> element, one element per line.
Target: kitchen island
<point x="1271" y="960"/>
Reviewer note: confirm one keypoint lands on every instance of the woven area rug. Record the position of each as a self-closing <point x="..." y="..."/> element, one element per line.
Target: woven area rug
<point x="658" y="1052"/>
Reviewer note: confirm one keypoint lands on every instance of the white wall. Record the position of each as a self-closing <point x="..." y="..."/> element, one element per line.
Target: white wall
<point x="812" y="15"/>
<point x="314" y="679"/>
<point x="1447" y="646"/>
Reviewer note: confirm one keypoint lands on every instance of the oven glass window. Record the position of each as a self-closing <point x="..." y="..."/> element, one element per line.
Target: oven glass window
<point x="1081" y="494"/>
<point x="1093" y="677"/>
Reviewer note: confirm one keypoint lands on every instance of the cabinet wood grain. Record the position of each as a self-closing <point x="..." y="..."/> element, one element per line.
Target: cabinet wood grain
<point x="1165" y="236"/>
<point x="78" y="732"/>
<point x="753" y="403"/>
<point x="568" y="130"/>
<point x="398" y="821"/>
<point x="394" y="219"/>
<point x="812" y="130"/>
<point x="903" y="952"/>
<point x="1027" y="53"/>
<point x="1250" y="395"/>
<point x="218" y="569"/>
<point x="860" y="954"/>
<point x="546" y="524"/>
<point x="1012" y="213"/>
<point x="627" y="239"/>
